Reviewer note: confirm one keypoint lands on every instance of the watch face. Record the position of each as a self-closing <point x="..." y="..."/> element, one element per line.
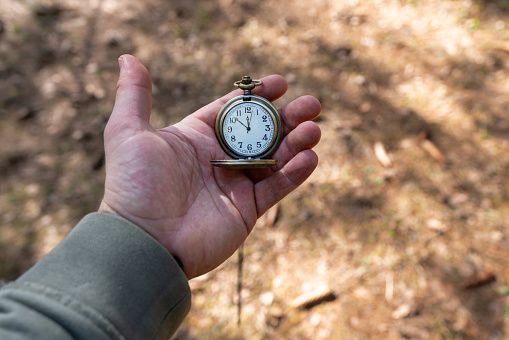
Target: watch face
<point x="248" y="129"/>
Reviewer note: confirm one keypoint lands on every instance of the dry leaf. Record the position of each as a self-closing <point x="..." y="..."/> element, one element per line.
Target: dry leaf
<point x="402" y="311"/>
<point x="436" y="224"/>
<point x="313" y="298"/>
<point x="479" y="279"/>
<point x="431" y="148"/>
<point x="381" y="154"/>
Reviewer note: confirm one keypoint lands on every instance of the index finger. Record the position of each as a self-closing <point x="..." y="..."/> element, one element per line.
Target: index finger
<point x="274" y="86"/>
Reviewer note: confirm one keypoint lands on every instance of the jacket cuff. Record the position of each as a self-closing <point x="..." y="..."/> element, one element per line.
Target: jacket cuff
<point x="112" y="266"/>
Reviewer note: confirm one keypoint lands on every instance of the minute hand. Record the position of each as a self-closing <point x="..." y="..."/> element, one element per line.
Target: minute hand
<point x="248" y="119"/>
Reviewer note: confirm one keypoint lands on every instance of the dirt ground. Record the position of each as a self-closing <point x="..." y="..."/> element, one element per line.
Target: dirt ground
<point x="403" y="230"/>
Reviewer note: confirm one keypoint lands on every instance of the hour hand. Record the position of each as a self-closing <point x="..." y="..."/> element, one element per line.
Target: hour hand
<point x="248" y="128"/>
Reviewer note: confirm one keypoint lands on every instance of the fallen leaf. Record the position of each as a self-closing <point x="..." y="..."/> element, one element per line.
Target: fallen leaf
<point x="479" y="279"/>
<point x="436" y="224"/>
<point x="314" y="297"/>
<point x="381" y="154"/>
<point x="402" y="311"/>
<point x="431" y="148"/>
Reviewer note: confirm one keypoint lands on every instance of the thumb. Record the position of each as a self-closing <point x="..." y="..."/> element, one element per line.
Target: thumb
<point x="133" y="102"/>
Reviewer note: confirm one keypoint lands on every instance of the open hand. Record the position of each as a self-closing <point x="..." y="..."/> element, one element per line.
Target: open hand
<point x="162" y="179"/>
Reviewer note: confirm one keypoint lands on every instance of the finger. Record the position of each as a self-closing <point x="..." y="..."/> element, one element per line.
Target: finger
<point x="272" y="189"/>
<point x="133" y="102"/>
<point x="300" y="110"/>
<point x="273" y="87"/>
<point x="305" y="136"/>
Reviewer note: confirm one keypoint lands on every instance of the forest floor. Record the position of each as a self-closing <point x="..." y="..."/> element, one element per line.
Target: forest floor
<point x="402" y="232"/>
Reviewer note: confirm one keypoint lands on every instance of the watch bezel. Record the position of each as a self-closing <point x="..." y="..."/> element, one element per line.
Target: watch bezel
<point x="269" y="107"/>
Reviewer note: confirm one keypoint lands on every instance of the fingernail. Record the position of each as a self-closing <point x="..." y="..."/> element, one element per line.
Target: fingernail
<point x="120" y="62"/>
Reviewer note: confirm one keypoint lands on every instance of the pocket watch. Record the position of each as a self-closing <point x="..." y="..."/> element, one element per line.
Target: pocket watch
<point x="249" y="129"/>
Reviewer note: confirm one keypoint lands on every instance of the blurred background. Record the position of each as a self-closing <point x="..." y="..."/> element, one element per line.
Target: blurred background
<point x="403" y="230"/>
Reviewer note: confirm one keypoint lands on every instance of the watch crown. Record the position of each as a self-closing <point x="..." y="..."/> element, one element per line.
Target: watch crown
<point x="246" y="80"/>
<point x="247" y="84"/>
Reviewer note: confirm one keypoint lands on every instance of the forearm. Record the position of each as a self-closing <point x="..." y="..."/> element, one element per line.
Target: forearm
<point x="107" y="279"/>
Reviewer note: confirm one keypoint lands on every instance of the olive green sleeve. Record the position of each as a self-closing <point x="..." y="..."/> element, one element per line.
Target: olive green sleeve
<point x="107" y="279"/>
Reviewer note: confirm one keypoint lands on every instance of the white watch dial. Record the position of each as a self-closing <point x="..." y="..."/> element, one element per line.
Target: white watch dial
<point x="248" y="129"/>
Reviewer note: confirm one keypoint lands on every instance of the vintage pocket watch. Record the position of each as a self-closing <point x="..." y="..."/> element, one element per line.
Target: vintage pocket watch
<point x="249" y="129"/>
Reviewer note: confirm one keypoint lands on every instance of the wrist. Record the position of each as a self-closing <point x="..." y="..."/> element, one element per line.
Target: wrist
<point x="106" y="208"/>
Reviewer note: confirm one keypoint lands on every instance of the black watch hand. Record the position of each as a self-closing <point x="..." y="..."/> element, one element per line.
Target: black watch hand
<point x="248" y="128"/>
<point x="248" y="119"/>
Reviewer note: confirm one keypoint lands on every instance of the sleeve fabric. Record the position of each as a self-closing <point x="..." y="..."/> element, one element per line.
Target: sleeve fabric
<point x="108" y="279"/>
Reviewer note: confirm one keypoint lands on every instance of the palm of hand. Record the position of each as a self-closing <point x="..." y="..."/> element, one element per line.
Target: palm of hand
<point x="162" y="180"/>
<point x="172" y="191"/>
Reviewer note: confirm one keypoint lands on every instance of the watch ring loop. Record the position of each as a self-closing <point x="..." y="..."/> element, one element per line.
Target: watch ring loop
<point x="252" y="85"/>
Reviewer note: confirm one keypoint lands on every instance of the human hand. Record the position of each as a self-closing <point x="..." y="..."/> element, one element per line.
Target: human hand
<point x="162" y="179"/>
